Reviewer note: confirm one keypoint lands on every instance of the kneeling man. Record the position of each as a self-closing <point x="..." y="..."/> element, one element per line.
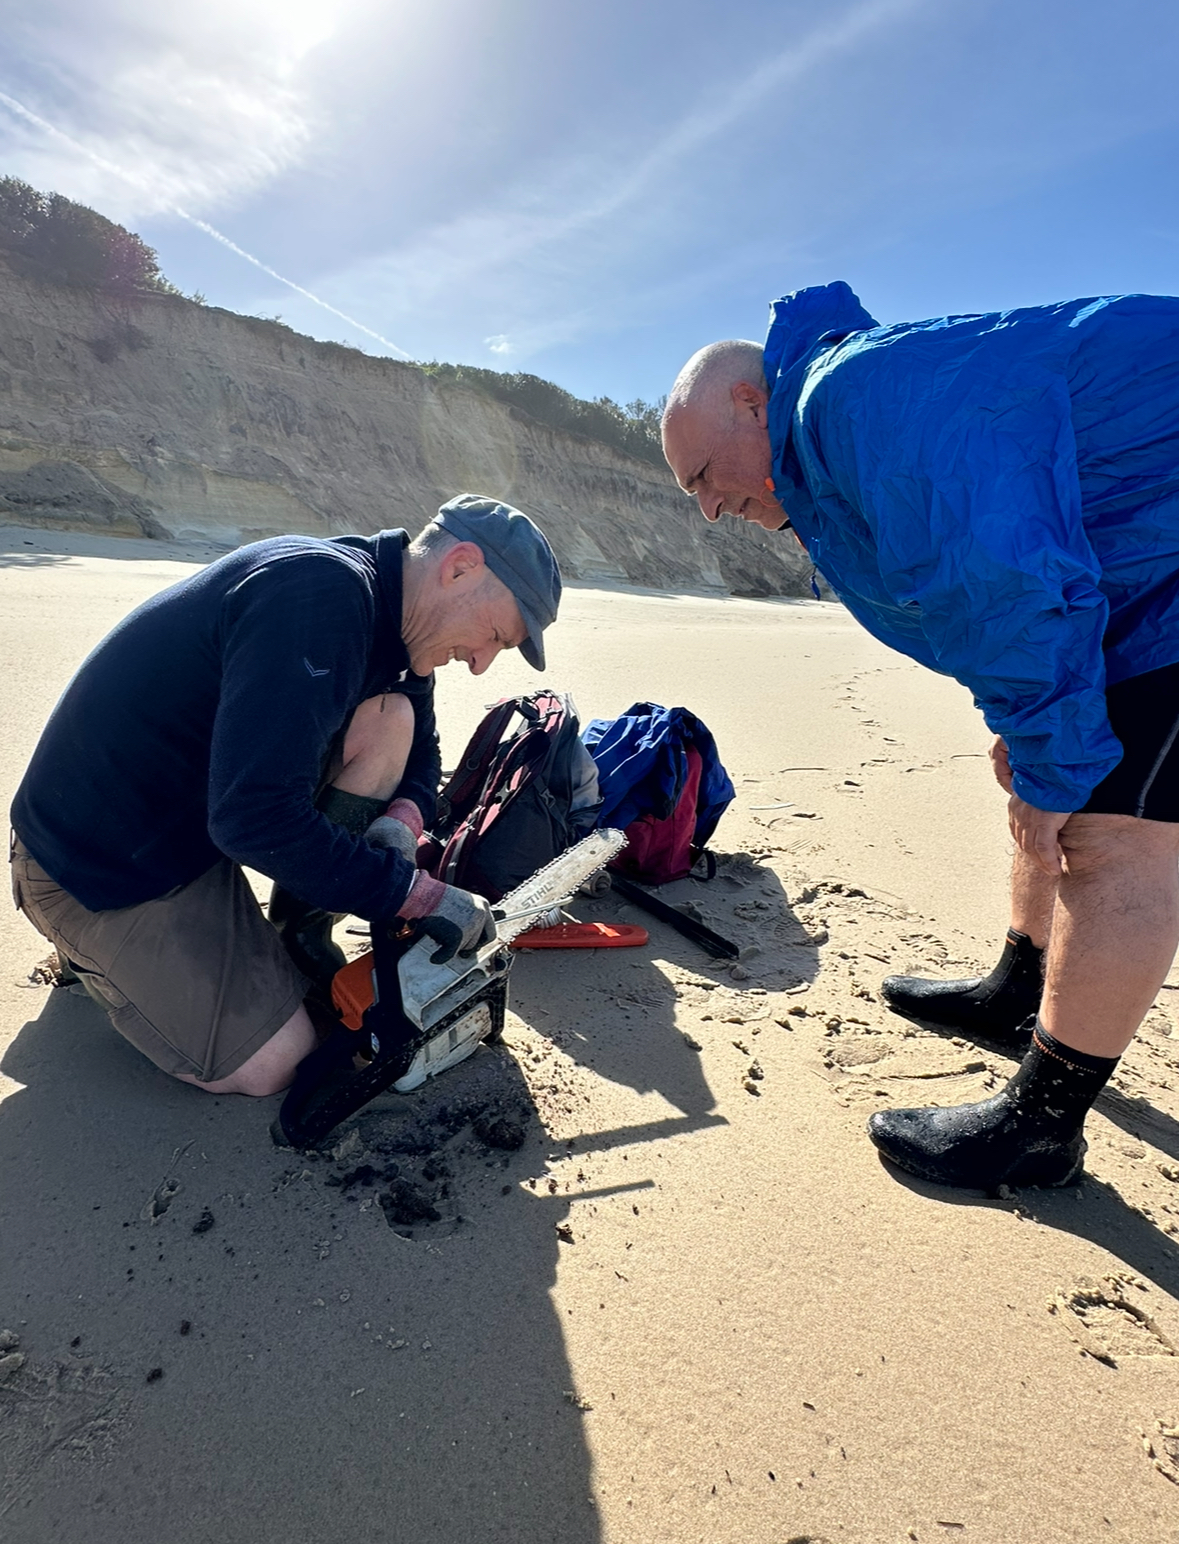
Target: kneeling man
<point x="275" y="710"/>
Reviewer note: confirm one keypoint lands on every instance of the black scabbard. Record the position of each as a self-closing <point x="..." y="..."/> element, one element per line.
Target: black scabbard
<point x="712" y="943"/>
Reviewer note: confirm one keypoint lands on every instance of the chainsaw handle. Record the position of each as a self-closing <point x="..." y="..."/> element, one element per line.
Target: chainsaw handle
<point x="446" y="934"/>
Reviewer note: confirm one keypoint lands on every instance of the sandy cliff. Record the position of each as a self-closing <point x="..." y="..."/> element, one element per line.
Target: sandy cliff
<point x="171" y="419"/>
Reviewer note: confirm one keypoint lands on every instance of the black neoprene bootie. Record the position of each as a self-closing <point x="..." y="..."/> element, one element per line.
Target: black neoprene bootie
<point x="306" y="931"/>
<point x="998" y="1007"/>
<point x="1031" y="1133"/>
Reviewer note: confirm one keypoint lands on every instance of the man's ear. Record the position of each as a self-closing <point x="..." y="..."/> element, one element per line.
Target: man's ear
<point x="750" y="399"/>
<point x="458" y="561"/>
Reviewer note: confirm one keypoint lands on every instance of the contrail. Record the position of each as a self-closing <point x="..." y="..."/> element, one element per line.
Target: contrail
<point x="211" y="230"/>
<point x="20" y="111"/>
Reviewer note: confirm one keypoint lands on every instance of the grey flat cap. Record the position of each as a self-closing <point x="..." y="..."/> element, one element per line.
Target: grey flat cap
<point x="515" y="550"/>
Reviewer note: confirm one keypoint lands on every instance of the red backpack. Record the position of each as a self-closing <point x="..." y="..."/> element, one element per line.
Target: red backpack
<point x="659" y="850"/>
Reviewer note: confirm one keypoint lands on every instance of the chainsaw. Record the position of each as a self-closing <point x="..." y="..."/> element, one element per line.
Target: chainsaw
<point x="405" y="1019"/>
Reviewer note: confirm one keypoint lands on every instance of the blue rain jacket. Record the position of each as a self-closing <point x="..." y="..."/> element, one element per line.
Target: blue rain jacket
<point x="996" y="496"/>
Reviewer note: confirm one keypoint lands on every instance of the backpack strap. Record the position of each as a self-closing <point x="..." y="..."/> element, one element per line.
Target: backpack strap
<point x="469" y="777"/>
<point x="504" y="762"/>
<point x="507" y="773"/>
<point x="709" y="857"/>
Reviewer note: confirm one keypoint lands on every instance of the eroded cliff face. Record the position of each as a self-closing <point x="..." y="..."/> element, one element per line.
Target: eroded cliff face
<point x="170" y="419"/>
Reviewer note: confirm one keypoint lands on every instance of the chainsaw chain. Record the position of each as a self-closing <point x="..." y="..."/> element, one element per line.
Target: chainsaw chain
<point x="555" y="883"/>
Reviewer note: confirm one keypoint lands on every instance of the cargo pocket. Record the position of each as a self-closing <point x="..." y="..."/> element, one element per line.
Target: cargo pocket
<point x="22" y="898"/>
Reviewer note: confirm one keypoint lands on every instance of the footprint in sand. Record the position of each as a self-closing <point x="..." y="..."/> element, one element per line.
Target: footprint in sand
<point x="68" y="1407"/>
<point x="1162" y="1448"/>
<point x="1107" y="1325"/>
<point x="859" y="1052"/>
<point x="160" y="1200"/>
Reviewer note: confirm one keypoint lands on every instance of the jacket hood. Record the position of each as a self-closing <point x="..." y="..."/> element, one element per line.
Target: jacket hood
<point x="824" y="313"/>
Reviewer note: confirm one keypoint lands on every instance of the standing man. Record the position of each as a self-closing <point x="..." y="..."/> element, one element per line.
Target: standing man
<point x="997" y="496"/>
<point x="274" y="710"/>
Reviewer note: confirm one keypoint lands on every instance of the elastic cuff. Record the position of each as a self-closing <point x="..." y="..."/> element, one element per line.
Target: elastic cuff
<point x="425" y="893"/>
<point x="1081" y="1061"/>
<point x="407" y="812"/>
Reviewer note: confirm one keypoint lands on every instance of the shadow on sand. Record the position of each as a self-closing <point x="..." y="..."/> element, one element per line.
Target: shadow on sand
<point x="1136" y="1116"/>
<point x="220" y="1346"/>
<point x="224" y="1341"/>
<point x="614" y="1010"/>
<point x="10" y="559"/>
<point x="1090" y="1210"/>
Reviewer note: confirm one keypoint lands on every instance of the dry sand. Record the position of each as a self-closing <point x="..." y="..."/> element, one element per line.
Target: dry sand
<point x="693" y="1305"/>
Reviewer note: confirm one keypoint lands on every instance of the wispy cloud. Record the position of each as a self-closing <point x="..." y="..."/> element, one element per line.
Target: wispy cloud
<point x="191" y="110"/>
<point x="526" y="251"/>
<point x="205" y="101"/>
<point x="168" y="205"/>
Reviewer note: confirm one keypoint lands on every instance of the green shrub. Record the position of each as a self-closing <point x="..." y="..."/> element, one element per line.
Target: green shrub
<point x="633" y="428"/>
<point x="47" y="236"/>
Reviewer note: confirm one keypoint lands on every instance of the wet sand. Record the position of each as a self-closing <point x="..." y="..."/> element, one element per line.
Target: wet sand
<point x="691" y="1304"/>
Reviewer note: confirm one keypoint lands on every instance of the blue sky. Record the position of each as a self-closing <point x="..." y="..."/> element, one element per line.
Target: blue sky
<point x="592" y="191"/>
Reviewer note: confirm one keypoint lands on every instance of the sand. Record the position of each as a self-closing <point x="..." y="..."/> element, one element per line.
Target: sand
<point x="691" y="1304"/>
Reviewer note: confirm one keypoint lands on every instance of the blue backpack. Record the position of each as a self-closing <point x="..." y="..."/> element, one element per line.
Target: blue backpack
<point x="662" y="782"/>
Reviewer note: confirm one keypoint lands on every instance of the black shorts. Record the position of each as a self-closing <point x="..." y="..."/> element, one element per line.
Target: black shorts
<point x="1144" y="714"/>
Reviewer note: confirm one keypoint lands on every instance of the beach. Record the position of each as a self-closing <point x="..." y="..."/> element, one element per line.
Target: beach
<point x="691" y="1304"/>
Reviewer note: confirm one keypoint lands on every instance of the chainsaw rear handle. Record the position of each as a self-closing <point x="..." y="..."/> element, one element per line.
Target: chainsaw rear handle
<point x="445" y="934"/>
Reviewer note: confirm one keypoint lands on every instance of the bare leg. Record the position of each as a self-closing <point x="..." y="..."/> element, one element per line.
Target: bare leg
<point x="364" y="778"/>
<point x="1033" y="895"/>
<point x="272" y="1066"/>
<point x="1000" y="1006"/>
<point x="376" y="747"/>
<point x="1115" y="930"/>
<point x="1033" y="891"/>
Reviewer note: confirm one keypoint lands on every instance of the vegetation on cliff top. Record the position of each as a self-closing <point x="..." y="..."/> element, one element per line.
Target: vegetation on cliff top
<point x="633" y="428"/>
<point x="49" y="237"/>
<point x="46" y="236"/>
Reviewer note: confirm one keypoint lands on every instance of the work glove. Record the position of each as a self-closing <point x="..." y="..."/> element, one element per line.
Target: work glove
<point x="458" y="921"/>
<point x="399" y="828"/>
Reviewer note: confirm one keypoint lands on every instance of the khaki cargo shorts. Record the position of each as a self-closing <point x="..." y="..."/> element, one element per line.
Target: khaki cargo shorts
<point x="197" y="980"/>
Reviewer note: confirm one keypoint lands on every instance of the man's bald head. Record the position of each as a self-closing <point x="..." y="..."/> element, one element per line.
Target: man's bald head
<point x="716" y="435"/>
<point x="711" y="373"/>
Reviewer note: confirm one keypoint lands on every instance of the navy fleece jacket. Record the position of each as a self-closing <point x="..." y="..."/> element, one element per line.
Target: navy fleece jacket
<point x="202" y="726"/>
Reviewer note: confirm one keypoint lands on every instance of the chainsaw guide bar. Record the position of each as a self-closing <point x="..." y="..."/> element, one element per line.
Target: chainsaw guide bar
<point x="556" y="882"/>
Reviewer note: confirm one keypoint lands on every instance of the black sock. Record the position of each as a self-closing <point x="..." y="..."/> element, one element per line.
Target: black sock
<point x="353" y="811"/>
<point x="1056" y="1083"/>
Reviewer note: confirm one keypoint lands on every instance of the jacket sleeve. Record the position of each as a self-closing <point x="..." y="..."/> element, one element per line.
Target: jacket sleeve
<point x="972" y="503"/>
<point x="295" y="637"/>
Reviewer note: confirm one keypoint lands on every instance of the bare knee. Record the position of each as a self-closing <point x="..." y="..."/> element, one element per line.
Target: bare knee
<point x="1100" y="844"/>
<point x="258" y="1082"/>
<point x="272" y="1066"/>
<point x="377" y="744"/>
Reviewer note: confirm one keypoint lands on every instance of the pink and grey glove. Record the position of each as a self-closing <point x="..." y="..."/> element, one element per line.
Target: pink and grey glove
<point x="399" y="828"/>
<point x="458" y="921"/>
